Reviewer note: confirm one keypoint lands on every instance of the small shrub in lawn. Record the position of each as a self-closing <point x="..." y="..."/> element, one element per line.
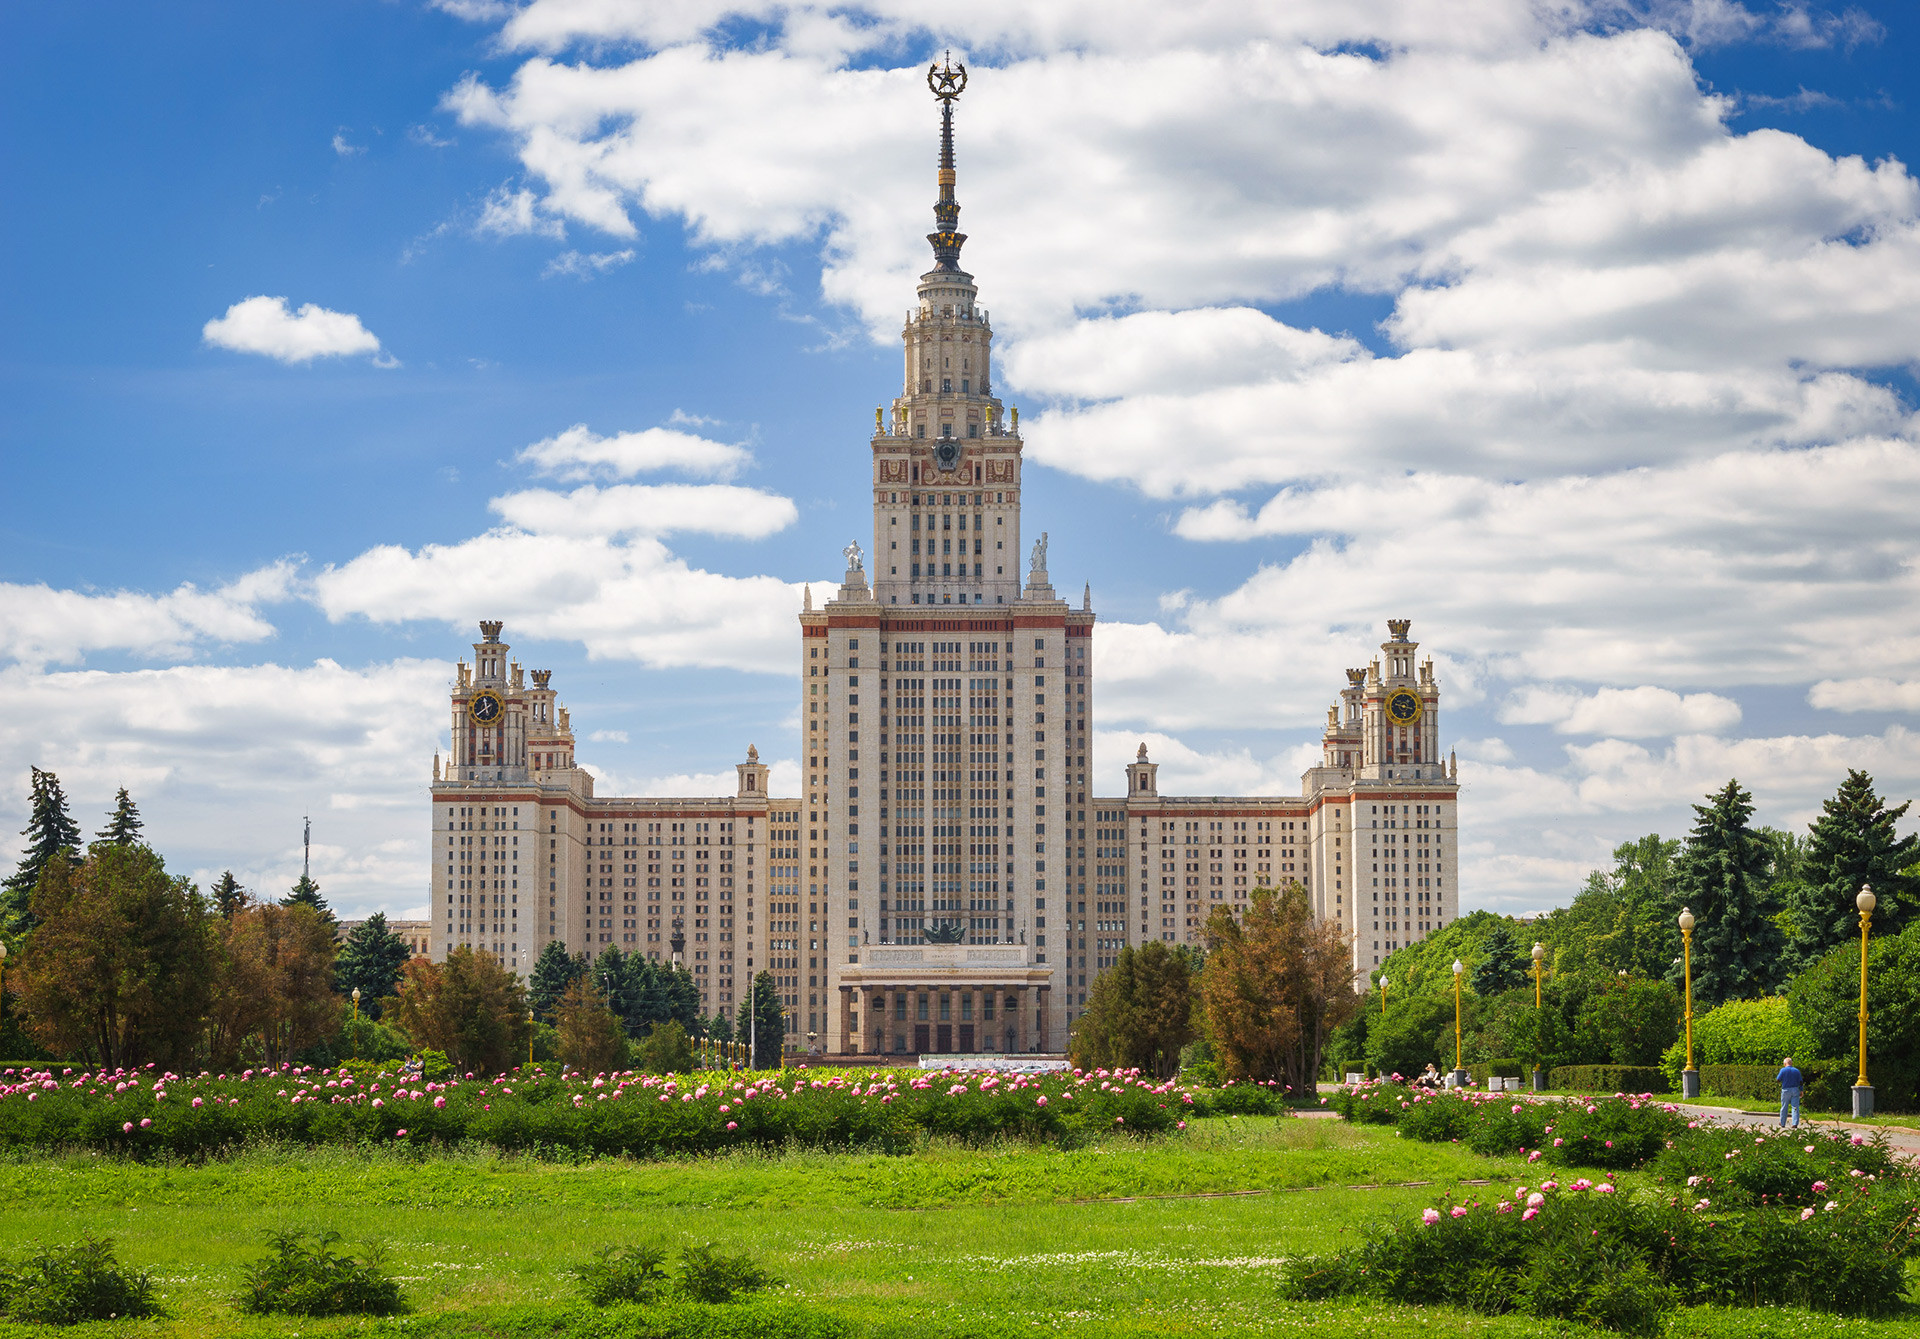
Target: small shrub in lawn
<point x="1436" y="1117"/>
<point x="708" y="1276"/>
<point x="305" y="1276"/>
<point x="64" y="1285"/>
<point x="1740" y="1165"/>
<point x="1374" y="1102"/>
<point x="624" y="1274"/>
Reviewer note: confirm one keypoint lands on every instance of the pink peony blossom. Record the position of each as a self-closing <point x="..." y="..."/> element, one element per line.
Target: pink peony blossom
<point x="1531" y="1213"/>
<point x="1430" y="1217"/>
<point x="1805" y="1214"/>
<point x="146" y="1123"/>
<point x="127" y="1128"/>
<point x="733" y="1125"/>
<point x="1459" y="1211"/>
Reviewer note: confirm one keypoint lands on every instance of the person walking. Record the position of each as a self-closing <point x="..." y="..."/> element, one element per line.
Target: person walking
<point x="1790" y="1081"/>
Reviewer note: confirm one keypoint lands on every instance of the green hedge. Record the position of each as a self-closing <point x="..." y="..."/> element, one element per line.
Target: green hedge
<point x="1829" y="1086"/>
<point x="1608" y="1079"/>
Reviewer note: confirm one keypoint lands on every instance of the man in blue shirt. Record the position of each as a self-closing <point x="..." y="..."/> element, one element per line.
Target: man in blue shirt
<point x="1789" y="1080"/>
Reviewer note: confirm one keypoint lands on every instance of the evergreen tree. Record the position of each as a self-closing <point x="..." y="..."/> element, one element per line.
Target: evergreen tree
<point x="50" y="832"/>
<point x="1852" y="843"/>
<point x="759" y="1022"/>
<point x="1722" y="878"/>
<point x="123" y="824"/>
<point x="1503" y="965"/>
<point x="228" y="895"/>
<point x="622" y="980"/>
<point x="306" y="893"/>
<point x="553" y="971"/>
<point x="371" y="959"/>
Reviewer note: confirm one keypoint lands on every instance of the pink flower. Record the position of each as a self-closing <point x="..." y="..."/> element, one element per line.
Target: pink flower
<point x="1039" y="1101"/>
<point x="1459" y="1211"/>
<point x="377" y="1103"/>
<point x="733" y="1125"/>
<point x="399" y="1134"/>
<point x="127" y="1128"/>
<point x="1558" y="1141"/>
<point x="1819" y="1187"/>
<point x="146" y="1123"/>
<point x="1805" y="1214"/>
<point x="1430" y="1217"/>
<point x="439" y="1102"/>
<point x="197" y="1102"/>
<point x="1603" y="1190"/>
<point x="1535" y="1200"/>
<point x="1529" y="1214"/>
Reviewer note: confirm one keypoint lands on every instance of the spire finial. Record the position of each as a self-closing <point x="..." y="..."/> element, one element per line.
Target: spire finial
<point x="947" y="81"/>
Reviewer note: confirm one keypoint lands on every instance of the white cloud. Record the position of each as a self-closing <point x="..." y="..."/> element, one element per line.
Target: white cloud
<point x="1630" y="713"/>
<point x="1870" y="694"/>
<point x="585" y="265"/>
<point x="41" y="625"/>
<point x="344" y="147"/>
<point x="578" y="453"/>
<point x="510" y="213"/>
<point x="628" y="601"/>
<point x="644" y="509"/>
<point x="266" y="325"/>
<point x="224" y="761"/>
<point x="608" y="737"/>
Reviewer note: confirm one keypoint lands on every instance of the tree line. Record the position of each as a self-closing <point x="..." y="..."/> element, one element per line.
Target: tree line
<point x="117" y="962"/>
<point x="1774" y="915"/>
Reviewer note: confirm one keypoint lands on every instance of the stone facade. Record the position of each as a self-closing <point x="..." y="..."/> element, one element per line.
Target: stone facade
<point x="949" y="879"/>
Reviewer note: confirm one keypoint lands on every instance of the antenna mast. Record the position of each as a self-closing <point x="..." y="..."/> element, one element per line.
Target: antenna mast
<point x="306" y="845"/>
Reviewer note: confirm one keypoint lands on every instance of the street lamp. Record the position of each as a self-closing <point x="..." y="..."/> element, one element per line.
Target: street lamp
<point x="1689" y="1077"/>
<point x="356" y="1019"/>
<point x="810" y="1040"/>
<point x="1539" y="964"/>
<point x="530" y="1022"/>
<point x="1862" y="1090"/>
<point x="1383" y="995"/>
<point x="1459" y="1072"/>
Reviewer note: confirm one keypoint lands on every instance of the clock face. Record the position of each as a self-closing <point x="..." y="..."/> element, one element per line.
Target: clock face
<point x="485" y="708"/>
<point x="1403" y="708"/>
<point x="947" y="455"/>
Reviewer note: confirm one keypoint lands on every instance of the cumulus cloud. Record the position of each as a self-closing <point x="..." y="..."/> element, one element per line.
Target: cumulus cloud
<point x="1630" y="713"/>
<point x="1870" y="694"/>
<point x="267" y="325"/>
<point x="224" y="761"/>
<point x="41" y="625"/>
<point x="579" y="453"/>
<point x="630" y="509"/>
<point x="510" y="213"/>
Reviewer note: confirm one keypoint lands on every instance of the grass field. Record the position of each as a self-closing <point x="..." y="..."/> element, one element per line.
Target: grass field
<point x="1116" y="1239"/>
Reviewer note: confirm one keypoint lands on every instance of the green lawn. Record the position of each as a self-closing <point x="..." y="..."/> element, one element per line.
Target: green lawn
<point x="949" y="1242"/>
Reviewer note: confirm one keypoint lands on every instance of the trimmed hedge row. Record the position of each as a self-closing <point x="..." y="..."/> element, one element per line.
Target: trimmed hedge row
<point x="1828" y="1086"/>
<point x="1609" y="1079"/>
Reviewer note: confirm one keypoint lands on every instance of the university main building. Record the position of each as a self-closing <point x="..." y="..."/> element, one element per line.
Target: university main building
<point x="950" y="880"/>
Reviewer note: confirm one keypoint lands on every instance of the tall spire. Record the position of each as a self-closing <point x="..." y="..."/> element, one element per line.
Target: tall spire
<point x="947" y="81"/>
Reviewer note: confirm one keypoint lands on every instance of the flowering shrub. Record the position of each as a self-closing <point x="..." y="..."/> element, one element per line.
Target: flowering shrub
<point x="1740" y="1165"/>
<point x="146" y="1112"/>
<point x="1588" y="1253"/>
<point x="1617" y="1132"/>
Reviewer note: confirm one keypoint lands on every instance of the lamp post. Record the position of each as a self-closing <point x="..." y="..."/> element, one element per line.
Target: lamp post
<point x="810" y="1040"/>
<point x="1539" y="1017"/>
<point x="1862" y="1090"/>
<point x="1383" y="996"/>
<point x="1459" y="1072"/>
<point x="530" y="1022"/>
<point x="1689" y="1077"/>
<point x="356" y="1019"/>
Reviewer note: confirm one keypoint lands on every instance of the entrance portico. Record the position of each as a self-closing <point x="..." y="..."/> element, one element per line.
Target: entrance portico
<point x="941" y="999"/>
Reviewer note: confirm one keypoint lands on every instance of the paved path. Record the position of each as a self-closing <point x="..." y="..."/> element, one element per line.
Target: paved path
<point x="1905" y="1142"/>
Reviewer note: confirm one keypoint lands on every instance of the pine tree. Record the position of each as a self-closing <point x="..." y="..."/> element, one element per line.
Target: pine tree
<point x="1852" y="843"/>
<point x="760" y="1023"/>
<point x="1503" y="966"/>
<point x="306" y="893"/>
<point x="370" y="959"/>
<point x="1723" y="879"/>
<point x="228" y="895"/>
<point x="553" y="971"/>
<point x="123" y="824"/>
<point x="50" y="831"/>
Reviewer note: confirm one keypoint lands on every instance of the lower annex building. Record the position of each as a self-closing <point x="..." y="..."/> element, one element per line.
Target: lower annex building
<point x="948" y="881"/>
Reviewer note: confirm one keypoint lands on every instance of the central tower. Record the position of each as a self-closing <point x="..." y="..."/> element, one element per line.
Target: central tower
<point x="946" y="465"/>
<point x="945" y="712"/>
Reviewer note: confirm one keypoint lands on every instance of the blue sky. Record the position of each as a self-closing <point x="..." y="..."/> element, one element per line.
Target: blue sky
<point x="1588" y="345"/>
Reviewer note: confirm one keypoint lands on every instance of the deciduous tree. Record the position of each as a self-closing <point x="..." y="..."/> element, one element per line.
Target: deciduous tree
<point x="1277" y="981"/>
<point x="121" y="961"/>
<point x="469" y="1007"/>
<point x="1140" y="1012"/>
<point x="591" y="1038"/>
